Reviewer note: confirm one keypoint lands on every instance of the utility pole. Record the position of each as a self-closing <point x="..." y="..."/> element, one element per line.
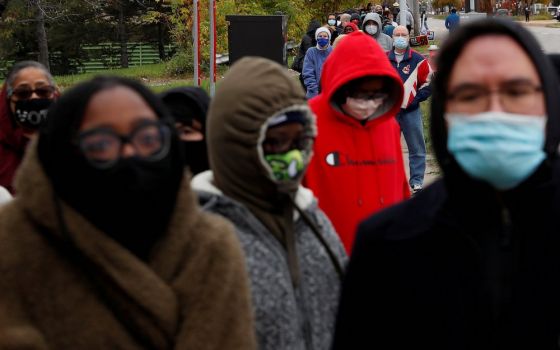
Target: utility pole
<point x="196" y="42"/>
<point x="212" y="11"/>
<point x="402" y="7"/>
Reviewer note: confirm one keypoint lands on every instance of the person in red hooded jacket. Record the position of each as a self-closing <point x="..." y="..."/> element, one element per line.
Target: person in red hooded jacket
<point x="27" y="93"/>
<point x="357" y="168"/>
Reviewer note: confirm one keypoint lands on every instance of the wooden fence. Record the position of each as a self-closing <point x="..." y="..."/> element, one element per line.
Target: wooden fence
<point x="106" y="56"/>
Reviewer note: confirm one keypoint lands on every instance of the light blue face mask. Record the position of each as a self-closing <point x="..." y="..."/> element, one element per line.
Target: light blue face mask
<point x="502" y="149"/>
<point x="401" y="42"/>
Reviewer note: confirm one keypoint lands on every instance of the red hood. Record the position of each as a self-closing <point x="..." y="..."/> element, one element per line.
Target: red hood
<point x="9" y="134"/>
<point x="353" y="26"/>
<point x="356" y="56"/>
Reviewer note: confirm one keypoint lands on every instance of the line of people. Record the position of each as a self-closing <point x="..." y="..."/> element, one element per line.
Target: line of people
<point x="109" y="242"/>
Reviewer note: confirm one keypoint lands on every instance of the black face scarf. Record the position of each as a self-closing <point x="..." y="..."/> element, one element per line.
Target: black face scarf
<point x="187" y="104"/>
<point x="196" y="156"/>
<point x="132" y="201"/>
<point x="32" y="114"/>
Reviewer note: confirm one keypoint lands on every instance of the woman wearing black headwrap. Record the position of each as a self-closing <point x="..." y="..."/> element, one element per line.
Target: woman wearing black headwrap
<point x="473" y="262"/>
<point x="188" y="106"/>
<point x="104" y="247"/>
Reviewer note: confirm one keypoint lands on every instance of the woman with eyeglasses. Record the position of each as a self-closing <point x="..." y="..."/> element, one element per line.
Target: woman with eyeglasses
<point x="105" y="247"/>
<point x="27" y="93"/>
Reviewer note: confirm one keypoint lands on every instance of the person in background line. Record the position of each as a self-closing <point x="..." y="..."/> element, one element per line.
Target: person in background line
<point x="395" y="9"/>
<point x="372" y="26"/>
<point x="188" y="106"/>
<point x="350" y="28"/>
<point x="379" y="11"/>
<point x="331" y="25"/>
<point x="344" y="18"/>
<point x="261" y="135"/>
<point x="109" y="235"/>
<point x="308" y="40"/>
<point x="409" y="19"/>
<point x="388" y="24"/>
<point x="452" y="21"/>
<point x="357" y="168"/>
<point x="355" y="18"/>
<point x="415" y="73"/>
<point x="27" y="93"/>
<point x="313" y="62"/>
<point x="472" y="261"/>
<point x="527" y="11"/>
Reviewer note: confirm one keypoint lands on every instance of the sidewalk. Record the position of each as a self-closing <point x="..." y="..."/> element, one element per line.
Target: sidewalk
<point x="539" y="23"/>
<point x="432" y="170"/>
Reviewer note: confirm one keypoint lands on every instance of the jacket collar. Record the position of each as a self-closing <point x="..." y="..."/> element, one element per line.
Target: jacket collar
<point x="145" y="285"/>
<point x="407" y="55"/>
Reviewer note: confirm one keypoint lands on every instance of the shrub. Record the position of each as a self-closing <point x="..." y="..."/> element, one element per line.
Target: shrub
<point x="180" y="64"/>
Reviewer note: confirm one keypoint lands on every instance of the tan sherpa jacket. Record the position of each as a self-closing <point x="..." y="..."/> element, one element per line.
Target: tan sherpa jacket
<point x="85" y="291"/>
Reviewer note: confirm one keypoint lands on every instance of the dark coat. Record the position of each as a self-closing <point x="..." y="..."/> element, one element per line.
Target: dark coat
<point x="67" y="285"/>
<point x="461" y="265"/>
<point x="307" y="41"/>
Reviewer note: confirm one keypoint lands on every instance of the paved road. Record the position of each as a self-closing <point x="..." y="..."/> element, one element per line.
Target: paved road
<point x="549" y="38"/>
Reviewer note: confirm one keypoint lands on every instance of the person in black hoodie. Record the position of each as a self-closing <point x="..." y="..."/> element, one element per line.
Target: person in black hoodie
<point x="473" y="262"/>
<point x="308" y="40"/>
<point x="188" y="106"/>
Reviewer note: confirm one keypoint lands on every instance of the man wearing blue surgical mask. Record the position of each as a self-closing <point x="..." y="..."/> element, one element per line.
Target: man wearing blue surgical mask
<point x="472" y="261"/>
<point x="415" y="73"/>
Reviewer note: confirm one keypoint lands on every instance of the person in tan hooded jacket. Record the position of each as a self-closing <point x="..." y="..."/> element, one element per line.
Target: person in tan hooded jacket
<point x="261" y="135"/>
<point x="105" y="247"/>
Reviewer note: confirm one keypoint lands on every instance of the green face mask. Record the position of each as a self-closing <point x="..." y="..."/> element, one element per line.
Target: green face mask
<point x="286" y="166"/>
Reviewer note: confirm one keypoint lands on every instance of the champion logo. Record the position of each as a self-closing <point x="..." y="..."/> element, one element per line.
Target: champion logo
<point x="335" y="159"/>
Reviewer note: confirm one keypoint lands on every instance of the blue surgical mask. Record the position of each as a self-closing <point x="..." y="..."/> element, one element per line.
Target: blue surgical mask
<point x="331" y="22"/>
<point x="401" y="42"/>
<point x="502" y="149"/>
<point x="322" y="42"/>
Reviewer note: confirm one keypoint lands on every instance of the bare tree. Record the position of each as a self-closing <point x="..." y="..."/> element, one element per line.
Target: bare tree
<point x="41" y="32"/>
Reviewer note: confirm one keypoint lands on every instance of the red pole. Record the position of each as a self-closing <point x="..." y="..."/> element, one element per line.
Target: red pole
<point x="215" y="39"/>
<point x="198" y="43"/>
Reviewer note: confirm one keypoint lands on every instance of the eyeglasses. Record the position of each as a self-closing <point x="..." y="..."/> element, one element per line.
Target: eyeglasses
<point x="25" y="93"/>
<point x="102" y="147"/>
<point x="274" y="146"/>
<point x="514" y="97"/>
<point x="370" y="96"/>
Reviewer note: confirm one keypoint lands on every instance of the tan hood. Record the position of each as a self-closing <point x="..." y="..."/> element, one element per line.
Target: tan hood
<point x="254" y="91"/>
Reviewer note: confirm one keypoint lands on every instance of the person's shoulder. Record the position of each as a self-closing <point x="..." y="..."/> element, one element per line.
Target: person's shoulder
<point x="20" y="241"/>
<point x="417" y="55"/>
<point x="311" y="50"/>
<point x="383" y="35"/>
<point x="407" y="219"/>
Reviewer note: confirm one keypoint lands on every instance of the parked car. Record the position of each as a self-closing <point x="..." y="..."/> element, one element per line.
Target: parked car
<point x="502" y="13"/>
<point x="553" y="11"/>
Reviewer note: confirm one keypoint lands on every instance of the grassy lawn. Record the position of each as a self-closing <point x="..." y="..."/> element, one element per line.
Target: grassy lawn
<point x="152" y="75"/>
<point x="555" y="25"/>
<point x="543" y="17"/>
